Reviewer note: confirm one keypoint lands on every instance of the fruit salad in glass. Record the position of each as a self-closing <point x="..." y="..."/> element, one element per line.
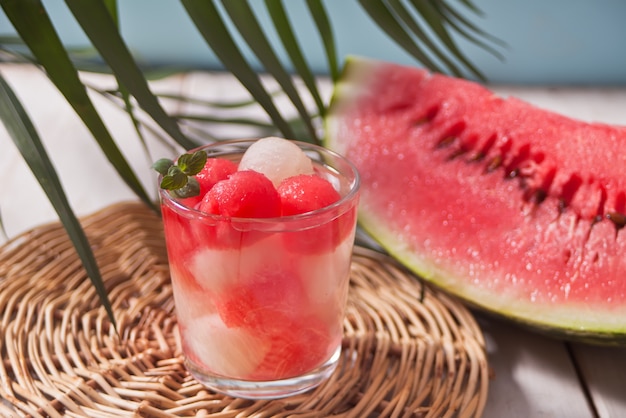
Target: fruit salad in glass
<point x="259" y="237"/>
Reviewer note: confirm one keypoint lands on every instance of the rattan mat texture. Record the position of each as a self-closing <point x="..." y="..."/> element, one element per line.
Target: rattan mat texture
<point x="408" y="350"/>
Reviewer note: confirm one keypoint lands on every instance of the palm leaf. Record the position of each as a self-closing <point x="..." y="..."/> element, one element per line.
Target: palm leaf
<point x="211" y="26"/>
<point x="111" y="6"/>
<point x="318" y="12"/>
<point x="36" y="29"/>
<point x="395" y="20"/>
<point x="434" y="19"/>
<point x="405" y="17"/>
<point x="290" y="43"/>
<point x="467" y="29"/>
<point x="25" y="137"/>
<point x="244" y="19"/>
<point x="98" y="24"/>
<point x="380" y="13"/>
<point x="235" y="104"/>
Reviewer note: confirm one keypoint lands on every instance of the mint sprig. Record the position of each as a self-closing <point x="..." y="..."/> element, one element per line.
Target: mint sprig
<point x="178" y="176"/>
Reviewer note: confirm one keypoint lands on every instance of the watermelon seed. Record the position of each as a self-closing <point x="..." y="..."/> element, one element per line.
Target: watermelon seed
<point x="548" y="180"/>
<point x="478" y="156"/>
<point x="513" y="167"/>
<point x="489" y="143"/>
<point x="619" y="219"/>
<point x="494" y="163"/>
<point x="420" y="121"/>
<point x="451" y="135"/>
<point x="457" y="153"/>
<point x="540" y="195"/>
<point x="446" y="142"/>
<point x="596" y="219"/>
<point x="602" y="201"/>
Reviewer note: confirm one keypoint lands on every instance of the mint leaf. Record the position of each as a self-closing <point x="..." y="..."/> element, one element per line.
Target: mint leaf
<point x="178" y="176"/>
<point x="162" y="165"/>
<point x="192" y="164"/>
<point x="192" y="188"/>
<point x="174" y="179"/>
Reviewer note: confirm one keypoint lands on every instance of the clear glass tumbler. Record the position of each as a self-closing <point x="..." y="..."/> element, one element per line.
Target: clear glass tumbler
<point x="260" y="302"/>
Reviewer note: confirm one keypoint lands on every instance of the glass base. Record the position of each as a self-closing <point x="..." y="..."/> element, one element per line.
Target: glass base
<point x="272" y="389"/>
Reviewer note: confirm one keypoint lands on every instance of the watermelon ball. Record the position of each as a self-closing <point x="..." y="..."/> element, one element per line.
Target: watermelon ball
<point x="214" y="170"/>
<point x="277" y="158"/>
<point x="226" y="351"/>
<point x="295" y="347"/>
<point x="305" y="193"/>
<point x="244" y="194"/>
<point x="270" y="296"/>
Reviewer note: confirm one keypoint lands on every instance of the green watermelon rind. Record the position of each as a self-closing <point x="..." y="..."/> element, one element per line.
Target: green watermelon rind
<point x="497" y="306"/>
<point x="605" y="328"/>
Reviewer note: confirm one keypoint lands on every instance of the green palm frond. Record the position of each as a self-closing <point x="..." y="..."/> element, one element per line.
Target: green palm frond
<point x="98" y="24"/>
<point x="322" y="22"/>
<point x="284" y="29"/>
<point x="243" y="17"/>
<point x="25" y="137"/>
<point x="426" y="29"/>
<point x="213" y="29"/>
<point x="468" y="30"/>
<point x="39" y="34"/>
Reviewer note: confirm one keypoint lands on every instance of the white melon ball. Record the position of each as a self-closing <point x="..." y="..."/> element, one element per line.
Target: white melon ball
<point x="226" y="351"/>
<point x="277" y="158"/>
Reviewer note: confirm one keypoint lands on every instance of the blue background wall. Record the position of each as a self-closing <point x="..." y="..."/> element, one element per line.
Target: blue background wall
<point x="548" y="41"/>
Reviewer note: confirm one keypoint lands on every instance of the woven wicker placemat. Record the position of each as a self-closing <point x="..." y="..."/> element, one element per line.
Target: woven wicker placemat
<point x="408" y="350"/>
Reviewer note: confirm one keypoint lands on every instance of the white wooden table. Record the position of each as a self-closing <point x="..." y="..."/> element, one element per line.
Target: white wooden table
<point x="533" y="376"/>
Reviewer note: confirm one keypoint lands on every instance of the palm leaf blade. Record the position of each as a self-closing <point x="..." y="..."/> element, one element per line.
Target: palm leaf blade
<point x="35" y="28"/>
<point x="98" y="24"/>
<point x="405" y="16"/>
<point x="248" y="26"/>
<point x="384" y="18"/>
<point x="468" y="29"/>
<point x="435" y="19"/>
<point x="25" y="137"/>
<point x="285" y="31"/>
<point x="207" y="20"/>
<point x="320" y="17"/>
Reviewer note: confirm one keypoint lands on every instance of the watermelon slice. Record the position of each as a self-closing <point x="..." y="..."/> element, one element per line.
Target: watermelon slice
<point x="516" y="209"/>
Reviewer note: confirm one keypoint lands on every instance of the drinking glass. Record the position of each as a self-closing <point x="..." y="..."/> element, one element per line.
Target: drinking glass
<point x="260" y="302"/>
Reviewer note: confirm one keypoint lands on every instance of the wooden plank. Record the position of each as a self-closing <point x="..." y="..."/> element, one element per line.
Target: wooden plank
<point x="604" y="372"/>
<point x="532" y="375"/>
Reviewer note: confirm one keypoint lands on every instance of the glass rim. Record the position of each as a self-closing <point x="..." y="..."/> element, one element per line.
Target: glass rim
<point x="187" y="211"/>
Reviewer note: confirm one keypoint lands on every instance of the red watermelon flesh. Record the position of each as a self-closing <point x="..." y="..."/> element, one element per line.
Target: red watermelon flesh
<point x="516" y="209"/>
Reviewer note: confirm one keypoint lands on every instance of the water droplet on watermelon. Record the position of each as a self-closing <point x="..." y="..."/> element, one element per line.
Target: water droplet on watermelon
<point x="277" y="158"/>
